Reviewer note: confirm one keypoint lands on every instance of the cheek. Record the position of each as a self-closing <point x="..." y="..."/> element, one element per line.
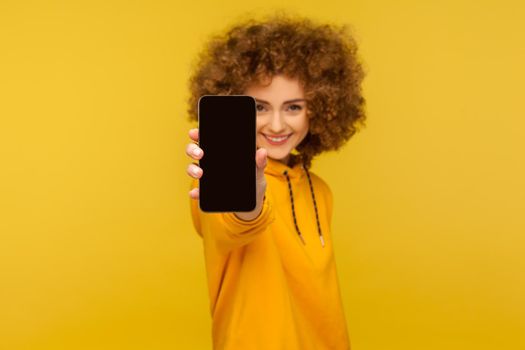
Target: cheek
<point x="302" y="125"/>
<point x="260" y="122"/>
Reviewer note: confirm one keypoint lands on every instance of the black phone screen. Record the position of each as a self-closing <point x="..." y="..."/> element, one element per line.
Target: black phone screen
<point x="227" y="131"/>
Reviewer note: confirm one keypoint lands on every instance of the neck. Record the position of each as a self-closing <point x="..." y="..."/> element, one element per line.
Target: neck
<point x="285" y="160"/>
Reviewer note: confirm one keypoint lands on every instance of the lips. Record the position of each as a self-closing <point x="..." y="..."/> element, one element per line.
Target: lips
<point x="277" y="139"/>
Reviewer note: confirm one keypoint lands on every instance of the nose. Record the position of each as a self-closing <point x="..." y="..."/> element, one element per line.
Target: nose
<point x="277" y="123"/>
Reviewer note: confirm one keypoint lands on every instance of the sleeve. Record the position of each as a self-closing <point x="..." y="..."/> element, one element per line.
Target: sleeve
<point x="194" y="207"/>
<point x="225" y="230"/>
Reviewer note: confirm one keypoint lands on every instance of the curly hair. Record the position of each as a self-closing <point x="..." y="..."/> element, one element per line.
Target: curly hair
<point x="323" y="57"/>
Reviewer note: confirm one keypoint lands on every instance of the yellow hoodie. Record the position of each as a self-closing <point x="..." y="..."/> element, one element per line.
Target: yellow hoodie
<point x="267" y="289"/>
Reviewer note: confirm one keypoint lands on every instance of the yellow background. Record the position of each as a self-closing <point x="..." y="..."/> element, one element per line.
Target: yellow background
<point x="97" y="250"/>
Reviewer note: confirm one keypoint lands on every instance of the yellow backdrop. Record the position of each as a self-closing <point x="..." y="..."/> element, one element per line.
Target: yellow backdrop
<point x="97" y="250"/>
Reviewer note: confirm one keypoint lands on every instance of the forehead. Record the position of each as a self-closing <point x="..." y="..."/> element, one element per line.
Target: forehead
<point x="277" y="90"/>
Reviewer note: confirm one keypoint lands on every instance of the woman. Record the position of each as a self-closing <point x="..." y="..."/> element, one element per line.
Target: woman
<point x="271" y="272"/>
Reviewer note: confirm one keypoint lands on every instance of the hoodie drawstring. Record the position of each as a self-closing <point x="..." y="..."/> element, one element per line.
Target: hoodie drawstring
<point x="315" y="207"/>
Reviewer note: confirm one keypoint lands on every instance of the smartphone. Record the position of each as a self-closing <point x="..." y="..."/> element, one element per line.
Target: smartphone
<point x="227" y="135"/>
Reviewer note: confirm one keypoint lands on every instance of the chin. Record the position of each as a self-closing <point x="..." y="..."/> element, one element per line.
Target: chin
<point x="277" y="155"/>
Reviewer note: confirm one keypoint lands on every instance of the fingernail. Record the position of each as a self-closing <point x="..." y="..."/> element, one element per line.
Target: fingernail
<point x="196" y="171"/>
<point x="197" y="152"/>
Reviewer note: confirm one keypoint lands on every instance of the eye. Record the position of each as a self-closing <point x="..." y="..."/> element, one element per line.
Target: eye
<point x="260" y="107"/>
<point x="295" y="107"/>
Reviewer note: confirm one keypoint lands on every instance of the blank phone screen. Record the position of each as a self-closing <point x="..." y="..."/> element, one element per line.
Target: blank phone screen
<point x="227" y="131"/>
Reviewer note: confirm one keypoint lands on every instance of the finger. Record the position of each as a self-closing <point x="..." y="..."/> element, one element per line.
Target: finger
<point x="194" y="193"/>
<point x="194" y="171"/>
<point x="194" y="151"/>
<point x="194" y="134"/>
<point x="261" y="160"/>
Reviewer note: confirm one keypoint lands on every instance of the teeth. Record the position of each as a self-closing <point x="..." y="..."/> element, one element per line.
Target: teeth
<point x="277" y="139"/>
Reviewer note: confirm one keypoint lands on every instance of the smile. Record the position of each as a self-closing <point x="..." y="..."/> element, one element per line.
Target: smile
<point x="277" y="140"/>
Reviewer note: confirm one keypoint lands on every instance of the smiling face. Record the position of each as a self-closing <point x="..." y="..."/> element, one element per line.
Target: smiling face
<point x="282" y="122"/>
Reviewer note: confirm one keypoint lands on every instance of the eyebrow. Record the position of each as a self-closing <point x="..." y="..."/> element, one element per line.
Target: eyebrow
<point x="285" y="102"/>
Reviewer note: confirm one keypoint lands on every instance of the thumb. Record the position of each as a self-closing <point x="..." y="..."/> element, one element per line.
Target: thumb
<point x="261" y="161"/>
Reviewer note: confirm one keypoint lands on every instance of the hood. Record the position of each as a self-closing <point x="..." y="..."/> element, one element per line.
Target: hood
<point x="276" y="168"/>
<point x="295" y="173"/>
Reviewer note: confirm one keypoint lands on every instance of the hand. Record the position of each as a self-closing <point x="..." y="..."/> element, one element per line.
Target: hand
<point x="260" y="161"/>
<point x="195" y="152"/>
<point x="193" y="170"/>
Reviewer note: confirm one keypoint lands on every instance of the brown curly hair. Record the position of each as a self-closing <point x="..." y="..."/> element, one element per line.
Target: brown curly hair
<point x="322" y="57"/>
